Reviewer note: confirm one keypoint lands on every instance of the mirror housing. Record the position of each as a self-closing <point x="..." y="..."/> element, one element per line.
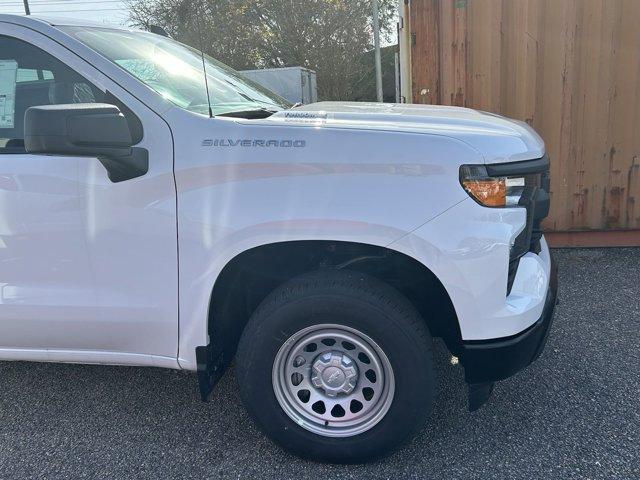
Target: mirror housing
<point x="77" y="129"/>
<point x="86" y="130"/>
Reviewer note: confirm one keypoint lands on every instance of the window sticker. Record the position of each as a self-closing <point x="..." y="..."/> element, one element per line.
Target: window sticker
<point x="8" y="71"/>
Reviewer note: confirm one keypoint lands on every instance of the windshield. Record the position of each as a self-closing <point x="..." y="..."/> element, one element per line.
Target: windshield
<point x="175" y="71"/>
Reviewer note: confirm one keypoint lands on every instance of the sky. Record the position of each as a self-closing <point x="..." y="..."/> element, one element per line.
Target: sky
<point x="105" y="11"/>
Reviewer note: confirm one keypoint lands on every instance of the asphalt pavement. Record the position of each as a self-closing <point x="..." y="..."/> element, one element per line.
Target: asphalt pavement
<point x="575" y="413"/>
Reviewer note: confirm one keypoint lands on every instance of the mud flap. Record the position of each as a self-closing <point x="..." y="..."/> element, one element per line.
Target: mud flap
<point x="210" y="360"/>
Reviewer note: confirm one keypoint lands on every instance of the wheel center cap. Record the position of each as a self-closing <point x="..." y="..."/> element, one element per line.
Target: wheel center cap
<point x="333" y="373"/>
<point x="333" y="376"/>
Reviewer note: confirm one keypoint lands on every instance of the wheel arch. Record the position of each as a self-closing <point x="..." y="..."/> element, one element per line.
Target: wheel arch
<point x="251" y="275"/>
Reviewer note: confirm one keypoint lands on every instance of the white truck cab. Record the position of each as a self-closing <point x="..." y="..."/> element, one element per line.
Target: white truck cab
<point x="150" y="216"/>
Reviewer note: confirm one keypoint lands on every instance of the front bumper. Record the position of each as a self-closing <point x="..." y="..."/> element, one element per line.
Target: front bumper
<point x="488" y="361"/>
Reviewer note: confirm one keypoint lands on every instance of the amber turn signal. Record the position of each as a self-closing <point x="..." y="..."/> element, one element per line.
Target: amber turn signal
<point x="490" y="192"/>
<point x="496" y="191"/>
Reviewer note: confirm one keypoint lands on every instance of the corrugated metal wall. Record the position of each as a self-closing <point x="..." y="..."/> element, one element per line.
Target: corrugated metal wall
<point x="570" y="68"/>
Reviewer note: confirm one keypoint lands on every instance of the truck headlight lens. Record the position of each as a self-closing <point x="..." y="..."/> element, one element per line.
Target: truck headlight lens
<point x="491" y="191"/>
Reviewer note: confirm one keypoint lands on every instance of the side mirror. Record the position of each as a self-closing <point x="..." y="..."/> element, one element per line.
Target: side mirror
<point x="87" y="130"/>
<point x="82" y="129"/>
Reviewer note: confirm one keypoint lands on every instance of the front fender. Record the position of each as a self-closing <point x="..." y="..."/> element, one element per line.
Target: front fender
<point x="359" y="186"/>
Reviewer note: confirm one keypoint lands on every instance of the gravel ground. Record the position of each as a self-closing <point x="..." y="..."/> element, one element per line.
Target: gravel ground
<point x="575" y="413"/>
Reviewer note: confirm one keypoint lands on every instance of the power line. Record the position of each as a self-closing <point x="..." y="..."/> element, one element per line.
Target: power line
<point x="70" y="2"/>
<point x="38" y="12"/>
<point x="116" y="10"/>
<point x="64" y="2"/>
<point x="82" y="10"/>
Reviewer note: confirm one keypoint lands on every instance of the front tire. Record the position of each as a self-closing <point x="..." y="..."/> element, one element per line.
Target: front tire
<point x="337" y="366"/>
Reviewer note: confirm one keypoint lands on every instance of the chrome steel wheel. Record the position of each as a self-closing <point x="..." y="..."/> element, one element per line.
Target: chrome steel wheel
<point x="333" y="380"/>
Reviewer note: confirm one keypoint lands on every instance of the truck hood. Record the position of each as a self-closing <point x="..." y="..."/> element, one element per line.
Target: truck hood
<point x="497" y="139"/>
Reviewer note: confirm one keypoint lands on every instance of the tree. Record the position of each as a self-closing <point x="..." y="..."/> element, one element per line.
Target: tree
<point x="328" y="36"/>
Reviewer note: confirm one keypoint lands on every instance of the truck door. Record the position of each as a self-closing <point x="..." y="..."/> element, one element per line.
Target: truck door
<point x="88" y="267"/>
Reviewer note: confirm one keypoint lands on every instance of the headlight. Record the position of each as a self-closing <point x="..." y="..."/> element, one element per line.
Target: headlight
<point x="491" y="191"/>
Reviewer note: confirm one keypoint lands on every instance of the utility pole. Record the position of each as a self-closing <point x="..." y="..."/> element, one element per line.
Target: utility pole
<point x="26" y="7"/>
<point x="376" y="41"/>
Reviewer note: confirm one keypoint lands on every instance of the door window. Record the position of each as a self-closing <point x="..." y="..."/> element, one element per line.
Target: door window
<point x="29" y="77"/>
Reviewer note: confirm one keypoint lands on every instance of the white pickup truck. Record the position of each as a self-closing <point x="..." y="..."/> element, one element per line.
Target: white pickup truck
<point x="151" y="215"/>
